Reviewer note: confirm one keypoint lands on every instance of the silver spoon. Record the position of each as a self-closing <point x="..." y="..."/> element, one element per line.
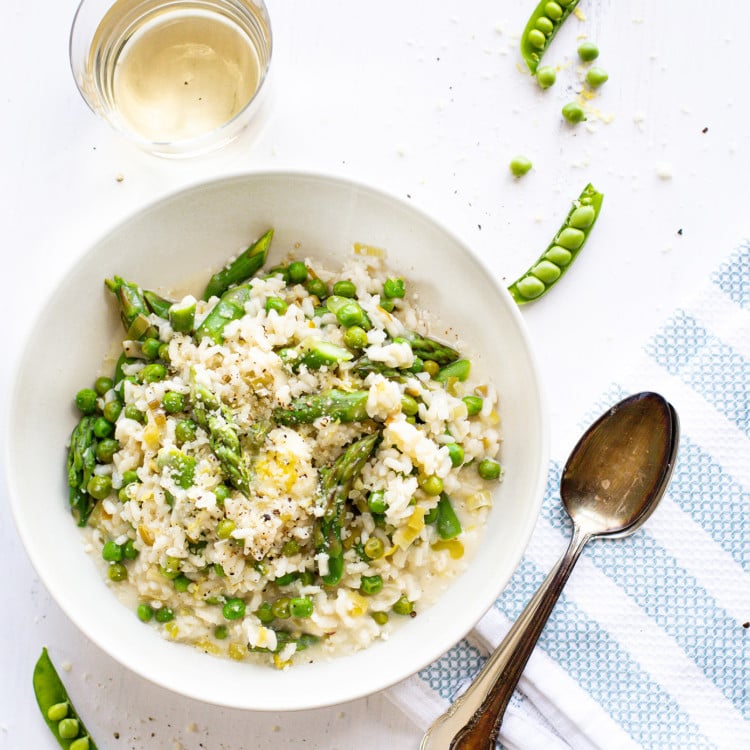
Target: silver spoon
<point x="612" y="482"/>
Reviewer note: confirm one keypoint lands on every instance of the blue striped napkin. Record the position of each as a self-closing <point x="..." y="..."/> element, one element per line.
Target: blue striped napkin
<point x="649" y="645"/>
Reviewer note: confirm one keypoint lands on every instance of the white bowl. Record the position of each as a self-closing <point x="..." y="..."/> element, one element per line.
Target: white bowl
<point x="180" y="238"/>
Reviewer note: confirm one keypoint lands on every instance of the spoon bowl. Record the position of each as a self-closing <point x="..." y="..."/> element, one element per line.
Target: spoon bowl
<point x="611" y="484"/>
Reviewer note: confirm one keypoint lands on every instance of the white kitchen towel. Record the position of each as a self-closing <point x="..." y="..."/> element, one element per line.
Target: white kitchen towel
<point x="649" y="645"/>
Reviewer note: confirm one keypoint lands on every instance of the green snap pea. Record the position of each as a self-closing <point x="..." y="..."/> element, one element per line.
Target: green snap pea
<point x="546" y="76"/>
<point x="182" y="315"/>
<point x="448" y="525"/>
<point x="459" y="369"/>
<point x="563" y="249"/>
<point x="473" y="404"/>
<point x="573" y="112"/>
<point x="519" y="166"/>
<point x="588" y="51"/>
<point x="56" y="708"/>
<point x="82" y="743"/>
<point x="544" y="23"/>
<point x="596" y="76"/>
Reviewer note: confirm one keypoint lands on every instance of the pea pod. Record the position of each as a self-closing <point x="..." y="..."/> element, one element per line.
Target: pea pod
<point x="563" y="249"/>
<point x="448" y="525"/>
<point x="56" y="708"/>
<point x="541" y="28"/>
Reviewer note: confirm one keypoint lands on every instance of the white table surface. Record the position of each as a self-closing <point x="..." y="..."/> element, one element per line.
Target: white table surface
<point x="427" y="100"/>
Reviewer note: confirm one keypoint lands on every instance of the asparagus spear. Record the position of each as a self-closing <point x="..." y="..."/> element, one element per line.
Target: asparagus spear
<point x="427" y="348"/>
<point x="81" y="464"/>
<point x="335" y="485"/>
<point x="240" y="269"/>
<point x="231" y="306"/>
<point x="345" y="406"/>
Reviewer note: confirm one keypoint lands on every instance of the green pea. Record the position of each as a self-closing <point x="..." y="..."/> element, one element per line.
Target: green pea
<point x="546" y="271"/>
<point x="111" y="552"/>
<point x="459" y="369"/>
<point x="519" y="166"/>
<point x="582" y="217"/>
<point x="431" y="367"/>
<point x="536" y="38"/>
<point x="129" y="476"/>
<point x="99" y="486"/>
<point x="106" y="449"/>
<point x="58" y="711"/>
<point x="456" y="453"/>
<point x="279" y="271"/>
<point x="281" y="608"/>
<point x="221" y="632"/>
<point x="117" y="572"/>
<point x="546" y="76"/>
<point x="145" y="612"/>
<point x="82" y="743"/>
<point x="355" y="337"/>
<point x="394" y="288"/>
<point x="297" y="272"/>
<point x="111" y="410"/>
<point x="306" y="578"/>
<point x="489" y="469"/>
<point x="181" y="583"/>
<point x="173" y="402"/>
<point x="185" y="431"/>
<point x="233" y="609"/>
<point x="559" y="255"/>
<point x="403" y="606"/>
<point x="431" y="484"/>
<point x="374" y="548"/>
<point x="164" y="614"/>
<point x="277" y="304"/>
<point x="222" y="492"/>
<point x="595" y="77"/>
<point x="134" y="413"/>
<point x="171" y="568"/>
<point x="370" y="585"/>
<point x="290" y="547"/>
<point x="317" y="287"/>
<point x="86" y="400"/>
<point x="530" y="287"/>
<point x="164" y="352"/>
<point x="381" y="618"/>
<point x="150" y="348"/>
<point x="103" y="428"/>
<point x="573" y="112"/>
<point x="553" y="10"/>
<point x="376" y="502"/>
<point x="129" y="550"/>
<point x="68" y="728"/>
<point x="387" y="305"/>
<point x="588" y="51"/>
<point x="153" y="373"/>
<point x="570" y="238"/>
<point x="103" y="384"/>
<point x="544" y="25"/>
<point x="300" y="606"/>
<point x="225" y="527"/>
<point x="350" y="314"/>
<point x="345" y="288"/>
<point x="264" y="613"/>
<point x="409" y="405"/>
<point x="473" y="405"/>
<point x="417" y="365"/>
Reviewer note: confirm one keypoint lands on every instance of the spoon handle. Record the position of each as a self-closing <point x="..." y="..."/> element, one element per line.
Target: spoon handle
<point x="473" y="721"/>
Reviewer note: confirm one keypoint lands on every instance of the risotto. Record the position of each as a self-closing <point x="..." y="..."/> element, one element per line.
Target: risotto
<point x="288" y="468"/>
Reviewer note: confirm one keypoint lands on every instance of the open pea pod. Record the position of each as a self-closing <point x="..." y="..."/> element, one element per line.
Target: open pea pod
<point x="57" y="710"/>
<point x="562" y="251"/>
<point x="544" y="23"/>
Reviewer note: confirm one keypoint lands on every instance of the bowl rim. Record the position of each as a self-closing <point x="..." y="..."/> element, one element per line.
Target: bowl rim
<point x="355" y="689"/>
